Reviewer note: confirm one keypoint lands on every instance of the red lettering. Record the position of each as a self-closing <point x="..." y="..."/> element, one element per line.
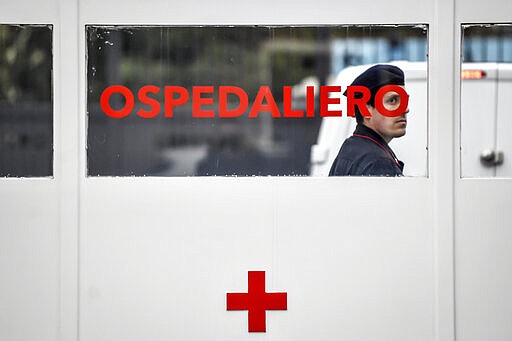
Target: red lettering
<point x="202" y="105"/>
<point x="197" y="101"/>
<point x="325" y="100"/>
<point x="404" y="100"/>
<point x="144" y="99"/>
<point x="360" y="102"/>
<point x="171" y="102"/>
<point x="224" y="91"/>
<point x="288" y="112"/>
<point x="264" y="93"/>
<point x="128" y="106"/>
<point x="310" y="101"/>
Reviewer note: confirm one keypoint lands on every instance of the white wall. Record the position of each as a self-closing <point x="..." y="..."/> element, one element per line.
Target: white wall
<point x="483" y="238"/>
<point x="137" y="258"/>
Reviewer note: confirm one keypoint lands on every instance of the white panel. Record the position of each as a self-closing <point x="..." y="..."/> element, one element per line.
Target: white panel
<point x="483" y="238"/>
<point x="475" y="11"/>
<point x="29" y="250"/>
<point x="442" y="94"/>
<point x="354" y="273"/>
<point x="28" y="12"/>
<point x="362" y="259"/>
<point x="484" y="260"/>
<point x="29" y="228"/>
<point x="255" y="12"/>
<point x="159" y="255"/>
<point x="67" y="156"/>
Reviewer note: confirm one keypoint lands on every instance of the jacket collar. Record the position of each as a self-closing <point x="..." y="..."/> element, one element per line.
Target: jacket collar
<point x="361" y="129"/>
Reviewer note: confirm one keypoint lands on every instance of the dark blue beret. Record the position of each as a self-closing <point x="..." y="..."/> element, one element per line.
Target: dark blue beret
<point x="377" y="76"/>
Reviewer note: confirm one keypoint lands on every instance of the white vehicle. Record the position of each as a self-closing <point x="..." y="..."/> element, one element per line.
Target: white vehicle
<point x="486" y="120"/>
<point x="484" y="142"/>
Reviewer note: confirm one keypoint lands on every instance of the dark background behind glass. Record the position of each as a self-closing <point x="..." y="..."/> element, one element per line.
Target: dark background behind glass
<point x="487" y="43"/>
<point x="248" y="57"/>
<point x="26" y="113"/>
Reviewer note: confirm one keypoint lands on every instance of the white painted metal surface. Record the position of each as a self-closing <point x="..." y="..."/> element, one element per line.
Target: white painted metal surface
<point x="135" y="258"/>
<point x="29" y="259"/>
<point x="157" y="256"/>
<point x="483" y="239"/>
<point x="29" y="230"/>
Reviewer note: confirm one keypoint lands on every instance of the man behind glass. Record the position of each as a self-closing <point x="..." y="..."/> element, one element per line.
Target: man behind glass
<point x="366" y="152"/>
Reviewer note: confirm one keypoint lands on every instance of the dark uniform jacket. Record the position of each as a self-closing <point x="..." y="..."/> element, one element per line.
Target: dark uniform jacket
<point x="366" y="153"/>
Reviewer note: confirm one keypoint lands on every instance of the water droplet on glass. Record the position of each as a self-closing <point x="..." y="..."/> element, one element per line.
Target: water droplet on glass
<point x="101" y="138"/>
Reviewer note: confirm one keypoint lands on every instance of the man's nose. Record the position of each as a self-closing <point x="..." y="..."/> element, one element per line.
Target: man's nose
<point x="406" y="110"/>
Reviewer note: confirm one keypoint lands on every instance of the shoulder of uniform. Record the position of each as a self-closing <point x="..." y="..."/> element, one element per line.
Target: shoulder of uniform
<point x="382" y="166"/>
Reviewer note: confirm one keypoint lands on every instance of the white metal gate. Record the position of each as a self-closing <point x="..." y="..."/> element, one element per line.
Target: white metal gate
<point x="153" y="258"/>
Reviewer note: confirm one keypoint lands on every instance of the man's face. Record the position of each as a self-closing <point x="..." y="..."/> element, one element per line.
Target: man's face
<point x="387" y="127"/>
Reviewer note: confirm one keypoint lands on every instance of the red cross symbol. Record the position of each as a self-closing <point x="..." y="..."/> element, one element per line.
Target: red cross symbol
<point x="256" y="301"/>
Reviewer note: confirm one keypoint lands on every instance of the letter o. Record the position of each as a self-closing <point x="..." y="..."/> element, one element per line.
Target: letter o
<point x="105" y="105"/>
<point x="404" y="100"/>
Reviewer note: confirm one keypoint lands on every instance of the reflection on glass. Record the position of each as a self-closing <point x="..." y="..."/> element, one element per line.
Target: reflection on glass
<point x="245" y="57"/>
<point x="486" y="85"/>
<point x="26" y="131"/>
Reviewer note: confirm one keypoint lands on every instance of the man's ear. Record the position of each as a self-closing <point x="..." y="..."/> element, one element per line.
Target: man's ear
<point x="371" y="109"/>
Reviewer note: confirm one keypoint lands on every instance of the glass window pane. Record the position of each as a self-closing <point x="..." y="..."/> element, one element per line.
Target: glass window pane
<point x="26" y="112"/>
<point x="486" y="84"/>
<point x="189" y="70"/>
